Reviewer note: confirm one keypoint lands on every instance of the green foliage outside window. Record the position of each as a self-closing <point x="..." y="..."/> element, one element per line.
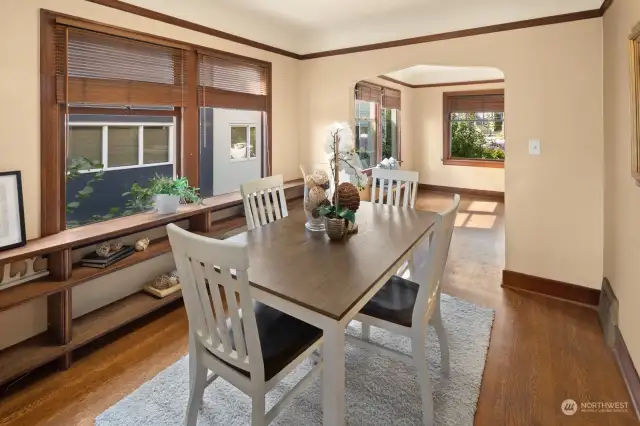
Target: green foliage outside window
<point x="387" y="133"/>
<point x="469" y="141"/>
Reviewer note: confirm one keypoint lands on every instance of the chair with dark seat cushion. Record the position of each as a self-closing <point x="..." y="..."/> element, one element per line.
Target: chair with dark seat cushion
<point x="283" y="338"/>
<point x="394" y="302"/>
<point x="407" y="307"/>
<point x="250" y="345"/>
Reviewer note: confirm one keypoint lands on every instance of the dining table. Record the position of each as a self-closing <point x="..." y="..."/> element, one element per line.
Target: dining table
<point x="325" y="283"/>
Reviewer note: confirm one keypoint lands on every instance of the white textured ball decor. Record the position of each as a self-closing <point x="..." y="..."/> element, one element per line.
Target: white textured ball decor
<point x="316" y="196"/>
<point x="320" y="177"/>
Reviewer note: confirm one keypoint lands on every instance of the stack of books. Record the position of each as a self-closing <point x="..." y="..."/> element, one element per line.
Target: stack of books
<point x="92" y="260"/>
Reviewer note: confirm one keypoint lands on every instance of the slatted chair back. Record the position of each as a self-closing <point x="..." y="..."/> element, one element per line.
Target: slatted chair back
<point x="225" y="326"/>
<point x="429" y="264"/>
<point x="394" y="187"/>
<point x="264" y="201"/>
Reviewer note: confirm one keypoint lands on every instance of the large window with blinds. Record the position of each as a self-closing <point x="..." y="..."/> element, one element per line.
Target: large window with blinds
<point x="474" y="126"/>
<point x="377" y="123"/>
<point x="234" y="106"/>
<point x="120" y="106"/>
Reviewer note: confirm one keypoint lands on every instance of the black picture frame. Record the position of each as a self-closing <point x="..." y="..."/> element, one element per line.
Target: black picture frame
<point x="23" y="233"/>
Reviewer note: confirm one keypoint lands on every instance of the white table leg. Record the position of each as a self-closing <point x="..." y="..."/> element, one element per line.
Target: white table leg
<point x="333" y="376"/>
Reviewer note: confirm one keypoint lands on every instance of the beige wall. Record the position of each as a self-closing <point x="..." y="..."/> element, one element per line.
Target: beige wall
<point x="19" y="83"/>
<point x="20" y="142"/>
<point x="622" y="196"/>
<point x="427" y="121"/>
<point x="554" y="202"/>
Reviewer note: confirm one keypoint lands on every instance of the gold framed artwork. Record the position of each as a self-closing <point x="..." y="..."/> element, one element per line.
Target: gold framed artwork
<point x="634" y="78"/>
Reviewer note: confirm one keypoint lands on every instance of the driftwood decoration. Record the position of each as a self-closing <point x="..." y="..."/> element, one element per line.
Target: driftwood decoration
<point x="23" y="271"/>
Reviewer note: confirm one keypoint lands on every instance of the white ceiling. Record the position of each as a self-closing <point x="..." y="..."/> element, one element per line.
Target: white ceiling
<point x="433" y="74"/>
<point x="328" y="13"/>
<point x="306" y="26"/>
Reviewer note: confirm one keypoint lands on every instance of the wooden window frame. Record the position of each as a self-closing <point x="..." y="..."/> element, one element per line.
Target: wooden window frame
<point x="238" y="100"/>
<point x="104" y="143"/>
<point x="634" y="89"/>
<point x="447" y="160"/>
<point x="378" y="114"/>
<point x="53" y="126"/>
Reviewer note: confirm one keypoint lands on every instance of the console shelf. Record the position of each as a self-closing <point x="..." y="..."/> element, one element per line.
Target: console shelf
<point x="39" y="350"/>
<point x="65" y="334"/>
<point x="79" y="274"/>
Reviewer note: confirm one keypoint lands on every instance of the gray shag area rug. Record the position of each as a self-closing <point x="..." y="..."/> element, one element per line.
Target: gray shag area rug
<point x="379" y="390"/>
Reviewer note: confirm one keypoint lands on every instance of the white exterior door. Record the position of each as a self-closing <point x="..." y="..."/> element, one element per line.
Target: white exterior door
<point x="237" y="148"/>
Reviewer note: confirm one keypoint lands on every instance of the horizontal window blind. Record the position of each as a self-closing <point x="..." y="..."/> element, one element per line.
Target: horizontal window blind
<point x="368" y="92"/>
<point x="97" y="68"/>
<point x="475" y="103"/>
<point x="390" y="98"/>
<point x="227" y="82"/>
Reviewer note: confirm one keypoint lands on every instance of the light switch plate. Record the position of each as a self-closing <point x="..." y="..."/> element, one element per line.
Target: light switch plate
<point x="534" y="146"/>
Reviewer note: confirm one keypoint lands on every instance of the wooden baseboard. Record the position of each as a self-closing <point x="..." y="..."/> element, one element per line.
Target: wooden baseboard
<point x="628" y="371"/>
<point x="559" y="289"/>
<point x="462" y="191"/>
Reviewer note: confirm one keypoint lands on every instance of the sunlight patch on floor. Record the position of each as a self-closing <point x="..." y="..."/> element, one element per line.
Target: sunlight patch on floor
<point x="478" y="221"/>
<point x="482" y="206"/>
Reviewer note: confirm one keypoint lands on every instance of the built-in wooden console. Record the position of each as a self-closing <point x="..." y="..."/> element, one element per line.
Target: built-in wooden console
<point x="65" y="334"/>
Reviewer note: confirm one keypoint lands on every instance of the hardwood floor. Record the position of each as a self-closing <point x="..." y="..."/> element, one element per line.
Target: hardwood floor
<point x="542" y="350"/>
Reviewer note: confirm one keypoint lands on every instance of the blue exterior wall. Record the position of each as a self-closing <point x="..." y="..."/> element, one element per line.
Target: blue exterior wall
<point x="108" y="192"/>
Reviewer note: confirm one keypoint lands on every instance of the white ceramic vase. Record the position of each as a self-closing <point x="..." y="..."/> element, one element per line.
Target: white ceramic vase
<point x="167" y="204"/>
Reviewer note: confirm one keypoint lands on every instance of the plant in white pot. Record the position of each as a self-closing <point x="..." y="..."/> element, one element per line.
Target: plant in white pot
<point x="165" y="193"/>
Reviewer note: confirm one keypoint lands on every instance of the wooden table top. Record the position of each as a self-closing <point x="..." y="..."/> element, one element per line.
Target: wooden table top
<point x="326" y="276"/>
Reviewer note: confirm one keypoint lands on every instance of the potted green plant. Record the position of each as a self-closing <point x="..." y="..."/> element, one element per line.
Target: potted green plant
<point x="166" y="193"/>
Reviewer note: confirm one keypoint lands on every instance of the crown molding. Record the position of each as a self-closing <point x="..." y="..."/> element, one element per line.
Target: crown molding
<point x="605" y="6"/>
<point x="172" y="20"/>
<point x="455" y="83"/>
<point x="529" y="23"/>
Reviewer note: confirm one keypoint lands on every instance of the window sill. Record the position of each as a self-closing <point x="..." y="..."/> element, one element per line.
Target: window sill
<point x="118" y="227"/>
<point x="493" y="164"/>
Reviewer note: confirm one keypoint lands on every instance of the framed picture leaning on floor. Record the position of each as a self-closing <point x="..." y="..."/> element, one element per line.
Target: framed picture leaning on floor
<point x="12" y="231"/>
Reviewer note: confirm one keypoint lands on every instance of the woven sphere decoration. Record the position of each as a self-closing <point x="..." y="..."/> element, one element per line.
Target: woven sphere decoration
<point x="348" y="196"/>
<point x="174" y="274"/>
<point x="308" y="180"/>
<point x="116" y="246"/>
<point x="103" y="250"/>
<point x="163" y="282"/>
<point x="320" y="177"/>
<point x="316" y="196"/>
<point x="174" y="281"/>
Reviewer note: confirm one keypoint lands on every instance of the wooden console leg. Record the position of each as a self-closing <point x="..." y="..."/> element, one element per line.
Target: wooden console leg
<point x="64" y="362"/>
<point x="59" y="305"/>
<point x="200" y="223"/>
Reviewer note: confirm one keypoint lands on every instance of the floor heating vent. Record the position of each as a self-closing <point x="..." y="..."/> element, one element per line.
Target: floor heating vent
<point x="608" y="312"/>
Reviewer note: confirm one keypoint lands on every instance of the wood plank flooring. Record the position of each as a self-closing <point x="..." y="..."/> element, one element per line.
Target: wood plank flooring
<point x="542" y="350"/>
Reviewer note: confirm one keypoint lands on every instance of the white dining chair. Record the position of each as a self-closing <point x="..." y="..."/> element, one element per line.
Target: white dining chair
<point x="248" y="344"/>
<point x="407" y="307"/>
<point x="258" y="195"/>
<point x="395" y="183"/>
